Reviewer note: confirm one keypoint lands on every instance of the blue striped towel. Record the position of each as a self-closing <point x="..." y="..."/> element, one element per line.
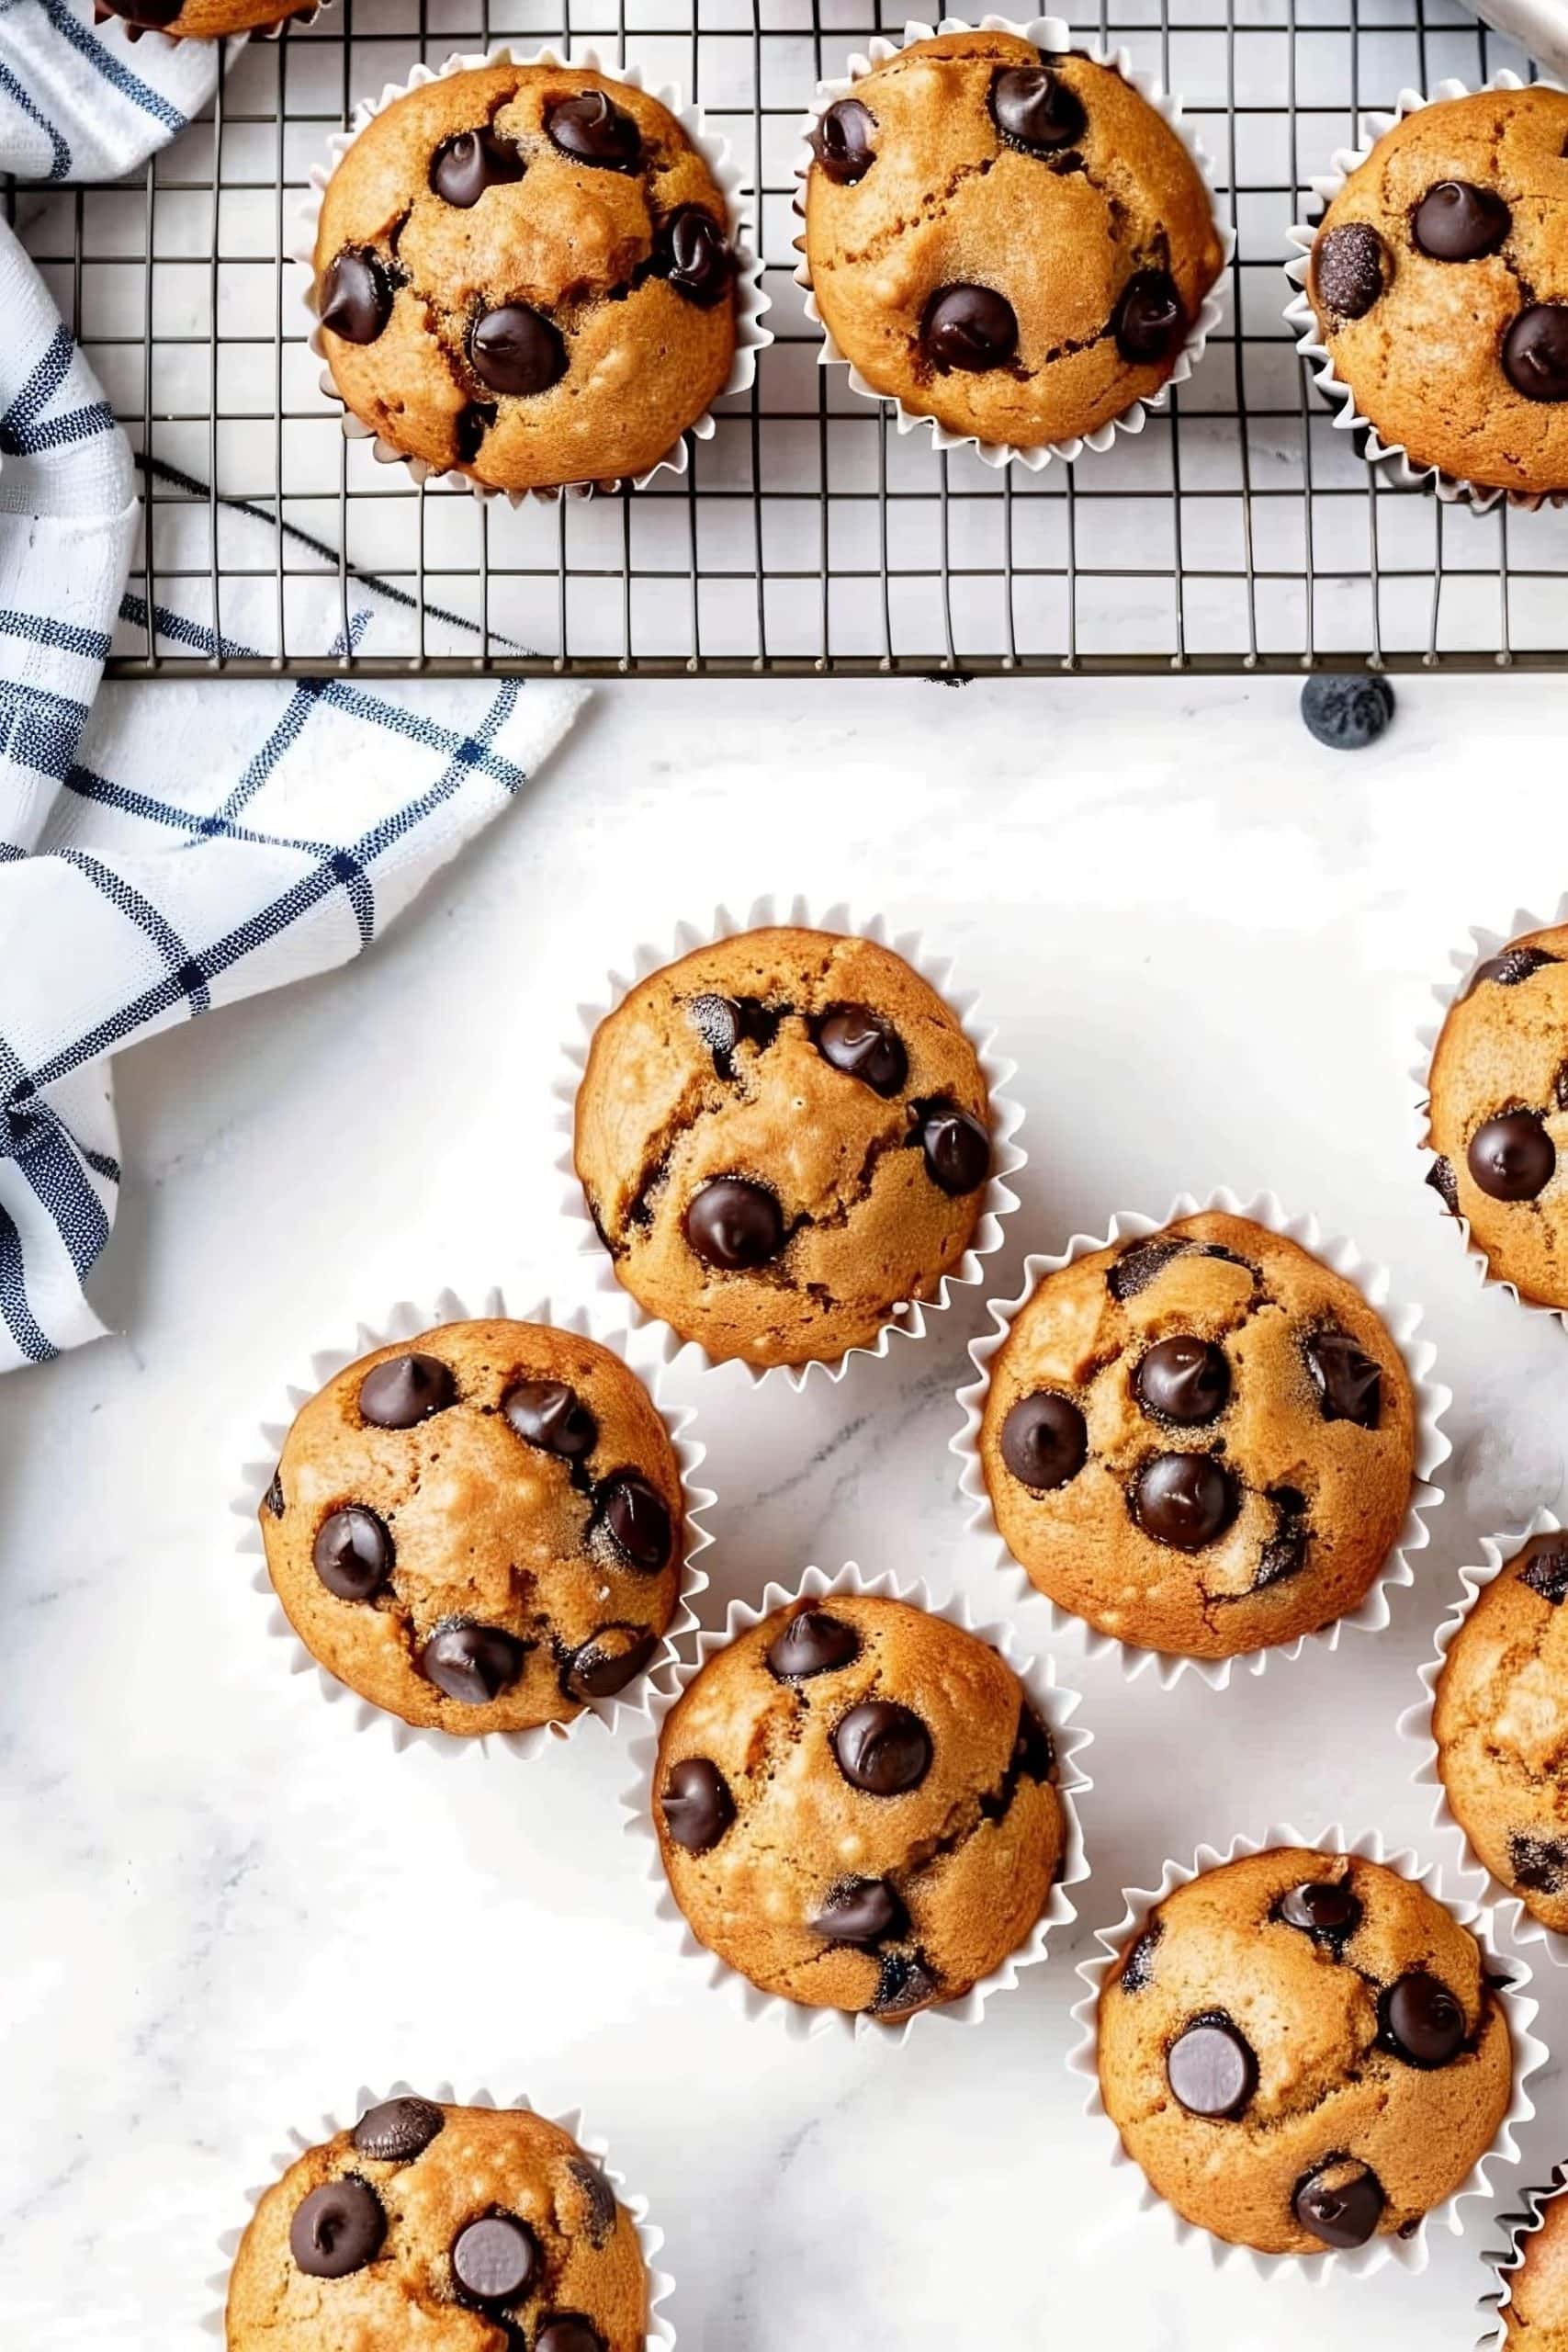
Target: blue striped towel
<point x="168" y="848"/>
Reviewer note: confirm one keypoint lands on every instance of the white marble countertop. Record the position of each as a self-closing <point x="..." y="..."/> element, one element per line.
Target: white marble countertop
<point x="1208" y="944"/>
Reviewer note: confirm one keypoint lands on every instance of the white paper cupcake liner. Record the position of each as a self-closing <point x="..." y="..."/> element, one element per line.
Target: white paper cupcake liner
<point x="1505" y="2260"/>
<point x="1411" y="2252"/>
<point x="1464" y="961"/>
<point x="1055" y="37"/>
<point x="1056" y="1706"/>
<point x="1392" y="456"/>
<point x="661" y="2334"/>
<point x="1432" y="1447"/>
<point x="1007" y="1157"/>
<point x="750" y="301"/>
<point x="1415" y="1728"/>
<point x="406" y="1321"/>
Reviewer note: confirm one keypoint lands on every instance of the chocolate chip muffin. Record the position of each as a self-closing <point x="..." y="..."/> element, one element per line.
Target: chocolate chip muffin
<point x="1440" y="280"/>
<point x="1499" y="1111"/>
<point x="781" y="1137"/>
<point x="478" y="1530"/>
<point x="1302" y="2051"/>
<point x="1202" y="1441"/>
<point x="198" y="19"/>
<point x="857" y="1807"/>
<point x="1014" y="243"/>
<point x="462" y="2228"/>
<point x="1535" y="2316"/>
<point x="1500" y="1720"/>
<point x="524" y="273"/>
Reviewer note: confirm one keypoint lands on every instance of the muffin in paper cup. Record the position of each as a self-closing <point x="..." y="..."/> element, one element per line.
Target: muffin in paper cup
<point x="1055" y="36"/>
<point x="1505" y="2260"/>
<point x="1510" y="1978"/>
<point x="1056" y="1707"/>
<point x="1392" y="457"/>
<point x="1416" y="1729"/>
<point x="997" y="1200"/>
<point x="1486" y="944"/>
<point x="105" y="14"/>
<point x="661" y="2334"/>
<point x="1432" y="1447"/>
<point x="406" y="1321"/>
<point x="750" y="301"/>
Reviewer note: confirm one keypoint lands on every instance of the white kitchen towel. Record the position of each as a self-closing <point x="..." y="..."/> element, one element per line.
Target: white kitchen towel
<point x="81" y="101"/>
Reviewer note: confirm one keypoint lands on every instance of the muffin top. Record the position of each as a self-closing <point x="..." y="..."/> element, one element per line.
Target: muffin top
<point x="1439" y="278"/>
<point x="523" y="272"/>
<point x="454" y="2228"/>
<point x="856" y="1807"/>
<point x="1536" y="2313"/>
<point x="478" y="1529"/>
<point x="1302" y="2051"/>
<point x="198" y="19"/>
<point x="1202" y="1441"/>
<point x="1016" y="247"/>
<point x="1500" y="1719"/>
<point x="780" y="1138"/>
<point x="1500" y="1113"/>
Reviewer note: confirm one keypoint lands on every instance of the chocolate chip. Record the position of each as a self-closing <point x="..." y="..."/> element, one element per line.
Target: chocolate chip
<point x="569" y="2332"/>
<point x="1326" y="1909"/>
<point x="882" y="1748"/>
<point x="1184" y="1499"/>
<point x="608" y="1660"/>
<point x="466" y="164"/>
<point x="272" y="1501"/>
<point x="1033" y="1749"/>
<point x="473" y="1664"/>
<point x="146" y="13"/>
<point x="957" y="1148"/>
<point x="1441" y="1178"/>
<point x="1535" y="352"/>
<point x="1284" y="1553"/>
<point x="1183" y="1379"/>
<point x="636" y="1521"/>
<point x="599" y="2197"/>
<point x="590" y="131"/>
<point x="494" y="2259"/>
<point x="1349" y="265"/>
<point x="970" y="327"/>
<point x="1545" y="1568"/>
<point x="548" y="1414"/>
<point x="723" y="1021"/>
<point x="1138" y="1968"/>
<point x="1139" y="1264"/>
<point x="812" y="1643"/>
<point x="1422" y="2022"/>
<point x="516" y="349"/>
<point x="1210" y="2068"/>
<point x="1149" y="322"/>
<point x="1512" y="1158"/>
<point x="1349" y="1381"/>
<point x="1455" y="222"/>
<point x="1340" y="2203"/>
<point x="907" y="1982"/>
<point x="863" y="1045"/>
<point x="399" y="2129"/>
<point x="405" y="1390"/>
<point x="473" y="423"/>
<point x="1538" y="1863"/>
<point x="734" y="1223"/>
<point x="862" y="1911"/>
<point x="842" y="142"/>
<point x="1045" y="1440"/>
<point x="1035" y="109"/>
<point x="356" y="297"/>
<point x="353" y="1553"/>
<point x="338" y="2228"/>
<point x="691" y="251"/>
<point x="1509" y="969"/>
<point x="698" y="1808"/>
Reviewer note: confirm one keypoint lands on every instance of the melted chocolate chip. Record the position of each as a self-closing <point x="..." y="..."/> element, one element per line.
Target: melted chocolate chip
<point x="569" y="2332"/>
<point x="404" y="1391"/>
<point x="515" y="349"/>
<point x="1535" y="352"/>
<point x="1184" y="1499"/>
<point x="1284" y="1555"/>
<point x="473" y="423"/>
<point x="1138" y="1968"/>
<point x="609" y="1659"/>
<point x="1033" y="1749"/>
<point x="472" y="1664"/>
<point x="882" y="1748"/>
<point x="698" y="1808"/>
<point x="353" y="1553"/>
<point x="1509" y="969"/>
<point x="599" y="2197"/>
<point x="1035" y="109"/>
<point x="843" y="143"/>
<point x="1455" y="222"/>
<point x="1137" y="1266"/>
<point x="1512" y="1158"/>
<point x="1210" y="2068"/>
<point x="969" y="327"/>
<point x="1545" y="1568"/>
<point x="590" y="131"/>
<point x="1422" y="2022"/>
<point x="1349" y="1381"/>
<point x="466" y="164"/>
<point x="723" y="1021"/>
<point x="863" y="1045"/>
<point x="1149" y="322"/>
<point x="272" y="1501"/>
<point x="399" y="2129"/>
<point x="734" y="1223"/>
<point x="862" y="1911"/>
<point x="635" y="1521"/>
<point x="338" y="2228"/>
<point x="1326" y="1909"/>
<point x="494" y="2259"/>
<point x="1349" y="265"/>
<point x="1044" y="1441"/>
<point x="957" y="1148"/>
<point x="907" y="1982"/>
<point x="1441" y="1178"/>
<point x="812" y="1643"/>
<point x="549" y="1415"/>
<point x="1183" y="1379"/>
<point x="356" y="297"/>
<point x="1341" y="2203"/>
<point x="145" y="15"/>
<point x="1538" y="1863"/>
<point x="691" y="251"/>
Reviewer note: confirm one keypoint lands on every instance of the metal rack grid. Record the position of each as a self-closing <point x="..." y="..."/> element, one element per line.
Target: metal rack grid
<point x="1239" y="531"/>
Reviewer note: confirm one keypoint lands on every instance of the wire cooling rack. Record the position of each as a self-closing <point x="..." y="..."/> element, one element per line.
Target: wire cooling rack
<point x="1240" y="530"/>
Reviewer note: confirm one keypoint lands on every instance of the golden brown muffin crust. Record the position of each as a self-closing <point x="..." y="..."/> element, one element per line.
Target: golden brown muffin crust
<point x="1536" y="2313"/>
<point x="198" y="19"/>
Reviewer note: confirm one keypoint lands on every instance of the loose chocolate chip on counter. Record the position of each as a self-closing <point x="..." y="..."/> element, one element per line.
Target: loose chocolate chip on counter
<point x="1045" y="1440"/>
<point x="473" y="423"/>
<point x="272" y="1501"/>
<point x="843" y="144"/>
<point x="1349" y="265"/>
<point x="1138" y="1968"/>
<point x="908" y="1982"/>
<point x="1512" y="1158"/>
<point x="590" y="131"/>
<point x="1455" y="222"/>
<point x="1441" y="1178"/>
<point x="1535" y="352"/>
<point x="405" y="1390"/>
<point x="1183" y="1379"/>
<point x="812" y="1643"/>
<point x="608" y="1660"/>
<point x="1138" y="1266"/>
<point x="1184" y="1499"/>
<point x="1509" y="969"/>
<point x="494" y="2259"/>
<point x="957" y="1148"/>
<point x="515" y="349"/>
<point x="399" y="2129"/>
<point x="569" y="2332"/>
<point x="1538" y="1863"/>
<point x="698" y="1808"/>
<point x="969" y="327"/>
<point x="734" y="1223"/>
<point x="1545" y="1568"/>
<point x="548" y="1414"/>
<point x="356" y="297"/>
<point x="1349" y="1381"/>
<point x="1035" y="109"/>
<point x="1326" y="1909"/>
<point x="353" y="1553"/>
<point x="862" y="1911"/>
<point x="473" y="1664"/>
<point x="1210" y="2068"/>
<point x="635" y="1521"/>
<point x="338" y="2228"/>
<point x="599" y="2198"/>
<point x="882" y="1748"/>
<point x="1421" y="2020"/>
<point x="1149" y="322"/>
<point x="466" y="164"/>
<point x="691" y="251"/>
<point x="1347" y="714"/>
<point x="863" y="1045"/>
<point x="1340" y="2203"/>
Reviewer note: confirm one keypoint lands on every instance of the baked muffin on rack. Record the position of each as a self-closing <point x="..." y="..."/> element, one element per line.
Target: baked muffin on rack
<point x="198" y="19"/>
